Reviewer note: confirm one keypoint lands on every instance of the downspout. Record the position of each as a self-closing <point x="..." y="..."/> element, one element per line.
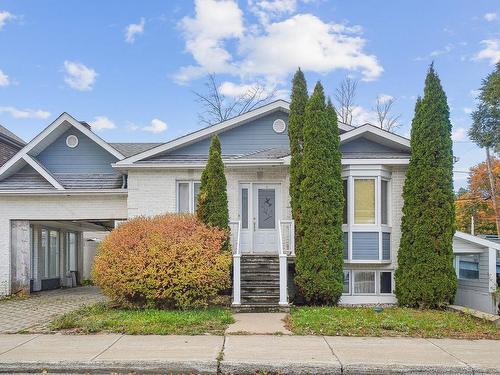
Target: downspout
<point x="124" y="181"/>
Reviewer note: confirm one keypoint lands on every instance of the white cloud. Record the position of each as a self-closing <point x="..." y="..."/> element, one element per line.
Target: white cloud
<point x="384" y="98"/>
<point x="233" y="89"/>
<point x="361" y="116"/>
<point x="24" y="113"/>
<point x="475" y="93"/>
<point x="4" y="17"/>
<point x="102" y="123"/>
<point x="490" y="17"/>
<point x="4" y="79"/>
<point x="79" y="76"/>
<point x="266" y="10"/>
<point x="133" y="30"/>
<point x="205" y="34"/>
<point x="459" y="134"/>
<point x="467" y="110"/>
<point x="270" y="51"/>
<point x="447" y="49"/>
<point x="156" y="126"/>
<point x="490" y="52"/>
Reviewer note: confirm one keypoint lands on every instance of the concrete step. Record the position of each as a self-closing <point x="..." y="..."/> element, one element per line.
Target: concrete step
<point x="260" y="308"/>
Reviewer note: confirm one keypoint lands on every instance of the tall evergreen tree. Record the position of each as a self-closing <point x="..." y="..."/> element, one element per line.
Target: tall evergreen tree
<point x="295" y="134"/>
<point x="425" y="276"/>
<point x="319" y="257"/>
<point x="212" y="206"/>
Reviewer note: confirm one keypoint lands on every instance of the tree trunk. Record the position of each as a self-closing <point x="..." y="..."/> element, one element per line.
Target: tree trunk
<point x="493" y="190"/>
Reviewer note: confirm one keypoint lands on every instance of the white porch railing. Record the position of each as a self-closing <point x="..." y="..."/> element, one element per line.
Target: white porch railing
<point x="235" y="227"/>
<point x="286" y="229"/>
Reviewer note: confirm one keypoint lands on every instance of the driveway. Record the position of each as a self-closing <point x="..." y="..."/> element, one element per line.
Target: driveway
<point x="34" y="313"/>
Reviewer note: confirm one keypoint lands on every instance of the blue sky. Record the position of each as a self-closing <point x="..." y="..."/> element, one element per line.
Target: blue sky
<point x="129" y="67"/>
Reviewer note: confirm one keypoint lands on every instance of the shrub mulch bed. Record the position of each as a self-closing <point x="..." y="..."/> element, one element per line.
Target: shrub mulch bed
<point x="393" y="321"/>
<point x="102" y="317"/>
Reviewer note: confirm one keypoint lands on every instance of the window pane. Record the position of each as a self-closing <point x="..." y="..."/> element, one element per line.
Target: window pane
<point x="44" y="253"/>
<point x="345" y="201"/>
<point x="345" y="237"/>
<point x="347" y="289"/>
<point x="183" y="197"/>
<point x="244" y="208"/>
<point x="364" y="282"/>
<point x="196" y="191"/>
<point x="54" y="254"/>
<point x="384" y="201"/>
<point x="267" y="208"/>
<point x="72" y="262"/>
<point x="469" y="267"/>
<point x="386" y="246"/>
<point x="364" y="201"/>
<point x="385" y="282"/>
<point x="365" y="246"/>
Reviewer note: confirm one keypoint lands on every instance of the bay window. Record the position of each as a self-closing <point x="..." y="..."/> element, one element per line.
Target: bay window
<point x="366" y="215"/>
<point x="368" y="282"/>
<point x="187" y="196"/>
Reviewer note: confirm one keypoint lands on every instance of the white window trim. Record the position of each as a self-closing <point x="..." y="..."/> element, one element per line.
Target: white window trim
<point x="190" y="192"/>
<point x="457" y="266"/>
<point x="378" y="173"/>
<point x="377" y="282"/>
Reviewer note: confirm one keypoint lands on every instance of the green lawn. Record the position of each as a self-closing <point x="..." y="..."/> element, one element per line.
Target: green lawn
<point x="360" y="321"/>
<point x="102" y="318"/>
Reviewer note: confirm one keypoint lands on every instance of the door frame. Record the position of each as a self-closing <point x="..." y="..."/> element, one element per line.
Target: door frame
<point x="250" y="185"/>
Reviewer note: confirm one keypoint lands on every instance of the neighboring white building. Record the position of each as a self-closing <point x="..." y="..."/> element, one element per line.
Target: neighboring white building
<point x="67" y="181"/>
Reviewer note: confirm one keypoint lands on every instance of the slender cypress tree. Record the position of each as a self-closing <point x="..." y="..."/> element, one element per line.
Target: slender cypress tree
<point x="425" y="276"/>
<point x="212" y="199"/>
<point x="319" y="258"/>
<point x="295" y="134"/>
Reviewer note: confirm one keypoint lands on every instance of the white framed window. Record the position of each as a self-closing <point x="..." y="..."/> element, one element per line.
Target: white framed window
<point x="385" y="282"/>
<point x="72" y="141"/>
<point x="364" y="282"/>
<point x="347" y="282"/>
<point x="364" y="201"/>
<point x="468" y="267"/>
<point x="187" y="196"/>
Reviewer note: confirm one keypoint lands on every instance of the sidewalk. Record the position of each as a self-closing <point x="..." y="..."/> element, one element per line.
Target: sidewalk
<point x="238" y="354"/>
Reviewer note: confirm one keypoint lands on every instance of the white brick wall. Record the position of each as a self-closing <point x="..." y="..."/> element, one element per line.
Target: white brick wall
<point x="153" y="192"/>
<point x="51" y="207"/>
<point x="397" y="182"/>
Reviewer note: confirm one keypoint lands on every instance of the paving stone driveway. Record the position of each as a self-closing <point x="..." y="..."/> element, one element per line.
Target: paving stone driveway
<point x="34" y="313"/>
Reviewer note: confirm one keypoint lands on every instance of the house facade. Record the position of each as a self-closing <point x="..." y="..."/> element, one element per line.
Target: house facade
<point x="67" y="181"/>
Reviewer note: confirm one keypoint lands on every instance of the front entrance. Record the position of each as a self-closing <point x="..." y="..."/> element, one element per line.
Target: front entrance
<point x="260" y="215"/>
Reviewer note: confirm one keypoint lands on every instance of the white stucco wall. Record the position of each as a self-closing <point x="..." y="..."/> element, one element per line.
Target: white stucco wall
<point x="51" y="207"/>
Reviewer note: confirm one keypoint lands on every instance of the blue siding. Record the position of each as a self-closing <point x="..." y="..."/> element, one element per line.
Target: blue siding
<point x="365" y="246"/>
<point x="386" y="246"/>
<point x="253" y="136"/>
<point x="364" y="145"/>
<point x="345" y="237"/>
<point x="87" y="157"/>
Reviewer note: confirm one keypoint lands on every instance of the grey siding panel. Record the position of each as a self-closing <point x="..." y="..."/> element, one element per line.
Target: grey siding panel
<point x="386" y="246"/>
<point x="87" y="157"/>
<point x="345" y="238"/>
<point x="364" y="245"/>
<point x="251" y="137"/>
<point x="366" y="146"/>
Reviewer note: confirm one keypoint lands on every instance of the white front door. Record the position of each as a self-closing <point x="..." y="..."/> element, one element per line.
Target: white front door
<point x="266" y="212"/>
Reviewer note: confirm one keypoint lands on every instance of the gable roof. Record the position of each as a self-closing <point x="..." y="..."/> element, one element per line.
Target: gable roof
<point x="9" y="136"/>
<point x="27" y="154"/>
<point x="477" y="240"/>
<point x="215" y="129"/>
<point x="376" y="134"/>
<point x="130" y="149"/>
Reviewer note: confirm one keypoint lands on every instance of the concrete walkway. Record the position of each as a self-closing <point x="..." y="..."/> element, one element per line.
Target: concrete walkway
<point x="259" y="323"/>
<point x="35" y="312"/>
<point x="238" y="354"/>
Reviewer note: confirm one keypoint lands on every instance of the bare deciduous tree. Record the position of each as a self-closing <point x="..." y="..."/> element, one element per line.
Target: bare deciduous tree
<point x="217" y="107"/>
<point x="386" y="119"/>
<point x="344" y="98"/>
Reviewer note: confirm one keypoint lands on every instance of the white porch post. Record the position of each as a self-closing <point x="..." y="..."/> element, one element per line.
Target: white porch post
<point x="283" y="279"/>
<point x="492" y="271"/>
<point x="236" y="279"/>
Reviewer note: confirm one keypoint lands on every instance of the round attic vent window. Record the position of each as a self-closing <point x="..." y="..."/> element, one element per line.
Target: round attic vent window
<point x="279" y="126"/>
<point x="72" y="141"/>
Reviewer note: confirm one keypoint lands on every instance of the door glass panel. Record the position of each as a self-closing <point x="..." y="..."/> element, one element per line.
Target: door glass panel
<point x="54" y="254"/>
<point x="267" y="208"/>
<point x="244" y="208"/>
<point x="45" y="253"/>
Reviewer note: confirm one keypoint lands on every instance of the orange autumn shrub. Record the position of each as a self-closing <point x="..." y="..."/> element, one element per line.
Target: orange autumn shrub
<point x="168" y="261"/>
